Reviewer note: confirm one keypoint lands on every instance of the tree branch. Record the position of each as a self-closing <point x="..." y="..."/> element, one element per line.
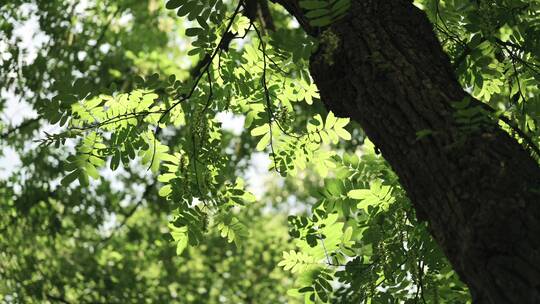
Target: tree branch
<point x="23" y="125"/>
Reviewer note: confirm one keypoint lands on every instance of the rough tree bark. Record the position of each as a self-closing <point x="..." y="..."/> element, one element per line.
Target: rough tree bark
<point x="383" y="66"/>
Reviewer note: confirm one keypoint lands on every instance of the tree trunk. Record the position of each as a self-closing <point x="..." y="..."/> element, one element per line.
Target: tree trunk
<point x="476" y="186"/>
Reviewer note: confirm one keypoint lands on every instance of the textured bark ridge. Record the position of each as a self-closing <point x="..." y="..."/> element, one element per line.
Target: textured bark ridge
<point x="479" y="189"/>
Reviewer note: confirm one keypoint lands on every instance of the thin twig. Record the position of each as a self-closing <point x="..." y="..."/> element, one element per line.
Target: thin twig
<point x="23" y="125"/>
<point x="207" y="61"/>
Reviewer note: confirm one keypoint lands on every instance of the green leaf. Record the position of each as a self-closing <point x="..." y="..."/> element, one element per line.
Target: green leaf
<point x="341" y="123"/>
<point x="173" y="4"/>
<point x="194" y="31"/>
<point x="347" y="234"/>
<point x="71" y="177"/>
<point x="261" y="130"/>
<point x="330" y="120"/>
<point x="358" y="193"/>
<point x="343" y="134"/>
<point x="312" y="14"/>
<point x="180" y="235"/>
<point x="83" y="178"/>
<point x="185" y="9"/>
<point x="115" y="160"/>
<point x="92" y="171"/>
<point x="165" y="191"/>
<point x="263" y="142"/>
<point x="321" y="22"/>
<point x="313" y="4"/>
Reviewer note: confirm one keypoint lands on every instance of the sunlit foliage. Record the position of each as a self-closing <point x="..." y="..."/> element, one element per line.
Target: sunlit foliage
<point x="131" y="189"/>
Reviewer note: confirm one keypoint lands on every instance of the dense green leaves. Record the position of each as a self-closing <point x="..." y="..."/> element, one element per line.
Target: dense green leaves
<point x="361" y="234"/>
<point x="490" y="44"/>
<point x="322" y="12"/>
<point x="140" y="191"/>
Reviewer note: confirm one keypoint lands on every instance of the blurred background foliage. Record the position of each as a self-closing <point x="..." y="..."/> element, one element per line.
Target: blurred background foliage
<point x="110" y="242"/>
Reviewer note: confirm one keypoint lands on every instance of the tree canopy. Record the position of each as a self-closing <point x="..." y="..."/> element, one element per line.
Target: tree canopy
<point x="134" y="134"/>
